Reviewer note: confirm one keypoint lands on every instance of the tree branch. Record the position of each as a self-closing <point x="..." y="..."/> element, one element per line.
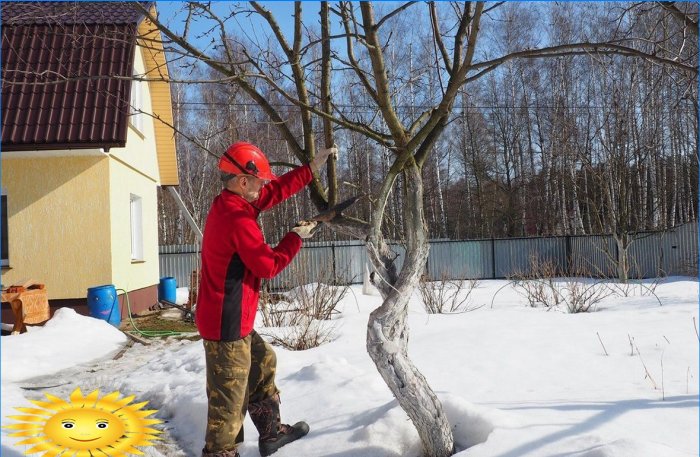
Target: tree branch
<point x="578" y="49"/>
<point x="380" y="76"/>
<point x="437" y="37"/>
<point x="347" y="17"/>
<point x="326" y="102"/>
<point x="438" y="116"/>
<point x="393" y="13"/>
<point x="682" y="16"/>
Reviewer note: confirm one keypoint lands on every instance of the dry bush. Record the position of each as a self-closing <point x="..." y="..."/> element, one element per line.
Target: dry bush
<point x="580" y="297"/>
<point x="538" y="285"/>
<point x="446" y="296"/>
<point x="319" y="300"/>
<point x="635" y="288"/>
<point x="302" y="318"/>
<point x="541" y="288"/>
<point x="306" y="333"/>
<point x="629" y="287"/>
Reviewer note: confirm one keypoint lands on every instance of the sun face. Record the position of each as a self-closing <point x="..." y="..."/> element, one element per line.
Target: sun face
<point x="85" y="426"/>
<point x="84" y="429"/>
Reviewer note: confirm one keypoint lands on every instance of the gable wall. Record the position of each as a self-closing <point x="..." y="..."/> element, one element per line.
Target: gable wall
<point x="134" y="170"/>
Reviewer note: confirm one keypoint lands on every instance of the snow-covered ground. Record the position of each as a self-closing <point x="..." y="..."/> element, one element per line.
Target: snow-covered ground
<point x="514" y="381"/>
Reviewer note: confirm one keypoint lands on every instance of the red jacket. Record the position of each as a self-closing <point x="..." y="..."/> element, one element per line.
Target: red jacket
<point x="235" y="257"/>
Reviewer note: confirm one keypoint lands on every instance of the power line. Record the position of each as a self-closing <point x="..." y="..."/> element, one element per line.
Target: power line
<point x="404" y="107"/>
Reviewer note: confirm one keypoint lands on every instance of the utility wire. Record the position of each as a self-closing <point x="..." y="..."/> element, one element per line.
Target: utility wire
<point x="406" y="107"/>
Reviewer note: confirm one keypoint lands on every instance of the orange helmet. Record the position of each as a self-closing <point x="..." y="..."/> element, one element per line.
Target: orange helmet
<point x="246" y="158"/>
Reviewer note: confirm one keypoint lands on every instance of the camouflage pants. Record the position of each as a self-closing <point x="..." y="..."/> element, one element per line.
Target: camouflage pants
<point x="238" y="372"/>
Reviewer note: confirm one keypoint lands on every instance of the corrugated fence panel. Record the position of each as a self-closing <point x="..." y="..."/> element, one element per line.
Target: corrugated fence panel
<point x="350" y="263"/>
<point x="674" y="252"/>
<point x="647" y="256"/>
<point x="686" y="249"/>
<point x="591" y="256"/>
<point x="516" y="257"/>
<point x="179" y="262"/>
<point x="460" y="259"/>
<point x="324" y="262"/>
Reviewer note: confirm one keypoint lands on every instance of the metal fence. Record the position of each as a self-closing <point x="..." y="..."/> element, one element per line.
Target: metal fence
<point x="672" y="252"/>
<point x="179" y="261"/>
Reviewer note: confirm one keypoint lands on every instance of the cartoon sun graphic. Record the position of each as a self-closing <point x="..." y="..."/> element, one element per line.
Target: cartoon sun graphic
<point x="85" y="426"/>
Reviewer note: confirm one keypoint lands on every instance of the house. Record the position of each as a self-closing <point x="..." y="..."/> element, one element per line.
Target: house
<point x="84" y="149"/>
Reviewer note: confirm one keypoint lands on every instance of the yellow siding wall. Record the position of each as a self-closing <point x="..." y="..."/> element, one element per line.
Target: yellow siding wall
<point x="159" y="86"/>
<point x="59" y="223"/>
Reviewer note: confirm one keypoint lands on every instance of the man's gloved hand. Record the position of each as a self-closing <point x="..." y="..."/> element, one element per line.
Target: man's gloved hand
<point x="305" y="229"/>
<point x="322" y="156"/>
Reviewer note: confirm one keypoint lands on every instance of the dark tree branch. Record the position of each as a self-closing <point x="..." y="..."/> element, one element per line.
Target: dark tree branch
<point x="437" y="37"/>
<point x="393" y="13"/>
<point x="682" y="16"/>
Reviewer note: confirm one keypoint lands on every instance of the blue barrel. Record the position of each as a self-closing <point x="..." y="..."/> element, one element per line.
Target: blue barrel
<point x="103" y="304"/>
<point x="167" y="289"/>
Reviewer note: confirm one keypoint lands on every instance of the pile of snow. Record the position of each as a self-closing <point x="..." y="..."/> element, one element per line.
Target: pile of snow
<point x="514" y="381"/>
<point x="182" y="295"/>
<point x="66" y="340"/>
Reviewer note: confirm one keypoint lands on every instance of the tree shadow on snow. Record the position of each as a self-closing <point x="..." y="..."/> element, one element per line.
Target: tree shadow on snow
<point x="358" y="420"/>
<point x="373" y="451"/>
<point x="607" y="412"/>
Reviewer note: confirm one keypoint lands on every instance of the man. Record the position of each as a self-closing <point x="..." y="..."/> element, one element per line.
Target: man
<point x="240" y="364"/>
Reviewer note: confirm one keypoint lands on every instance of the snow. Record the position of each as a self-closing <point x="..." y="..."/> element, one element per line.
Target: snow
<point x="514" y="380"/>
<point x="51" y="348"/>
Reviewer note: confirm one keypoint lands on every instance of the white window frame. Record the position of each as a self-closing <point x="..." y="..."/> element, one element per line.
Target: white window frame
<point x="136" y="115"/>
<point x="136" y="209"/>
<point x="5" y="260"/>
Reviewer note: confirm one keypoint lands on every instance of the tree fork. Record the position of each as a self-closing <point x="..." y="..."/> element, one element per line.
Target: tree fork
<point x="387" y="329"/>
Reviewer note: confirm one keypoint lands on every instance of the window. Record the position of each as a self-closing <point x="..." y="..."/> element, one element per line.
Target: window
<point x="136" y="117"/>
<point x="5" y="260"/>
<point x="136" y="228"/>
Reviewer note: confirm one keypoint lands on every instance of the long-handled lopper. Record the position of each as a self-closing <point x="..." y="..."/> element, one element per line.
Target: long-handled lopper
<point x="334" y="211"/>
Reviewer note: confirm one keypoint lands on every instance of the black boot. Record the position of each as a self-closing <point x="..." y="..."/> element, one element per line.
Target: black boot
<point x="233" y="453"/>
<point x="273" y="434"/>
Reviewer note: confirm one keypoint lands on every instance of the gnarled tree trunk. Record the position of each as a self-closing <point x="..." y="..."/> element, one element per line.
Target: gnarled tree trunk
<point x="387" y="330"/>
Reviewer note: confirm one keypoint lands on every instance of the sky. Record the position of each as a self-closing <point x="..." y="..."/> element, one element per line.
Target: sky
<point x="514" y="381"/>
<point x="283" y="11"/>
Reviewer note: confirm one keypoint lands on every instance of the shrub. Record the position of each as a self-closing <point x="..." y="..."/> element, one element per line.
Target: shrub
<point x="541" y="288"/>
<point x="302" y="318"/>
<point x="446" y="296"/>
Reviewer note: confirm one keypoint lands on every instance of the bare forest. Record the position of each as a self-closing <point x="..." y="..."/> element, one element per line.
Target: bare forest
<point x="583" y="143"/>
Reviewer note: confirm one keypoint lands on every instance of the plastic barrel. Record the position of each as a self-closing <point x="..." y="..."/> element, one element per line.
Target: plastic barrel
<point x="167" y="289"/>
<point x="103" y="304"/>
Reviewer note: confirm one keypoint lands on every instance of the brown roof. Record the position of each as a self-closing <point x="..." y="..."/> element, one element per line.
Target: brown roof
<point x="61" y="64"/>
<point x="32" y="13"/>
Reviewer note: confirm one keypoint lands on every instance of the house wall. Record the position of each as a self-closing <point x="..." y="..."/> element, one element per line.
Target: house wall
<point x="137" y="274"/>
<point x="140" y="151"/>
<point x="134" y="170"/>
<point x="59" y="224"/>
